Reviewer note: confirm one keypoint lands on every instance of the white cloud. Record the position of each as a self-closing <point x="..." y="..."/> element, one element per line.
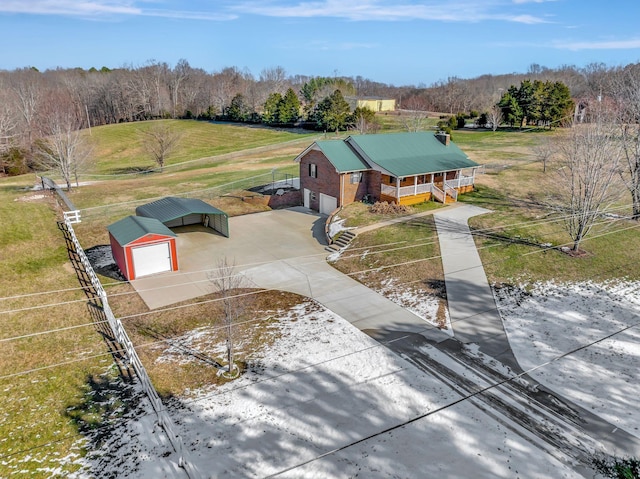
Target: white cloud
<point x="599" y="45"/>
<point x="528" y="19"/>
<point x="377" y="10"/>
<point x="68" y="7"/>
<point x="100" y="8"/>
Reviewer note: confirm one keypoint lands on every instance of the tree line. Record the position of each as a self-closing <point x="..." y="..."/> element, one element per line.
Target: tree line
<point x="35" y="105"/>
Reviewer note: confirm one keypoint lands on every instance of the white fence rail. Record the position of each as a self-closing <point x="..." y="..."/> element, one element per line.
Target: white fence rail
<point x="121" y="336"/>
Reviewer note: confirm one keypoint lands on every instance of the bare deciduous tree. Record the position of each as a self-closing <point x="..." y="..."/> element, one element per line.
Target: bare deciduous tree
<point x="544" y="151"/>
<point x="589" y="162"/>
<point x="415" y="117"/>
<point x="495" y="117"/>
<point x="8" y="119"/>
<point x="64" y="148"/>
<point x="227" y="282"/>
<point x="159" y="141"/>
<point x="631" y="175"/>
<point x="28" y="89"/>
<point x="626" y="89"/>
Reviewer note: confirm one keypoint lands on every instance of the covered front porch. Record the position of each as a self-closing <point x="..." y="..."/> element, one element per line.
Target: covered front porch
<point x="443" y="186"/>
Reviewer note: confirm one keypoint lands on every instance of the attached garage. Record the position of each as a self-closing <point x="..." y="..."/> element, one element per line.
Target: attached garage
<point x="174" y="212"/>
<point x="327" y="204"/>
<point x="142" y="246"/>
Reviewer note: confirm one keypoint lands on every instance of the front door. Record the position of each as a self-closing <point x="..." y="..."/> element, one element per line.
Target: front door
<point x="307" y="198"/>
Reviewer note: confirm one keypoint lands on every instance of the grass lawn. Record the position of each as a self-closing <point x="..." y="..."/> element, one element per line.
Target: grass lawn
<point x="35" y="430"/>
<point x="44" y="410"/>
<point x="178" y="347"/>
<point x="516" y="190"/>
<point x="118" y="149"/>
<point x="406" y="254"/>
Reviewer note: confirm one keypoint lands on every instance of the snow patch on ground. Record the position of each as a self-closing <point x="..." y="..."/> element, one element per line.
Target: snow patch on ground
<point x="322" y="386"/>
<point x="415" y="300"/>
<point x="31" y="198"/>
<point x="546" y="320"/>
<point x="337" y="226"/>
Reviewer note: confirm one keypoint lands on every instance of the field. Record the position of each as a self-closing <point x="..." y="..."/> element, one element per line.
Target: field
<point x="60" y="384"/>
<point x="57" y="386"/>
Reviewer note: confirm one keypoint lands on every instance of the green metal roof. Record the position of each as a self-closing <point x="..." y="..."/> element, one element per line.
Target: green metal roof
<point x="132" y="228"/>
<point x="342" y="156"/>
<point x="170" y="208"/>
<point x="407" y="154"/>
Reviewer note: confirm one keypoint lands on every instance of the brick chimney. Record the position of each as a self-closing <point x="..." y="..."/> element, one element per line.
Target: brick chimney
<point x="443" y="137"/>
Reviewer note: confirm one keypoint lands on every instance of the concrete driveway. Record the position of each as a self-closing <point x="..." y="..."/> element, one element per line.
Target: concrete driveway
<point x="283" y="250"/>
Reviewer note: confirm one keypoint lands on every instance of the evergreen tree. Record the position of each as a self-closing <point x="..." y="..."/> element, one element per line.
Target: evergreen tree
<point x="363" y="120"/>
<point x="271" y="113"/>
<point x="238" y="110"/>
<point x="332" y="113"/>
<point x="536" y="103"/>
<point x="289" y="108"/>
<point x="511" y="111"/>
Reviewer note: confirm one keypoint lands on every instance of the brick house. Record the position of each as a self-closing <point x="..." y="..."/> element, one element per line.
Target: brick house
<point x="402" y="168"/>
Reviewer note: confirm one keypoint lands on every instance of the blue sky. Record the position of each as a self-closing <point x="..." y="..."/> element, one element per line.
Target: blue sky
<point x="401" y="42"/>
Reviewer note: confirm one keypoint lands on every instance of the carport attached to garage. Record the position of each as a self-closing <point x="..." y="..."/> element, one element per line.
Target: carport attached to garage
<point x="175" y="212"/>
<point x="142" y="246"/>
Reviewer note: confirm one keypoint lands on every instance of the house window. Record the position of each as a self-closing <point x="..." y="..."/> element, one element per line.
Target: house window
<point x="313" y="170"/>
<point x="392" y="180"/>
<point x="355" y="178"/>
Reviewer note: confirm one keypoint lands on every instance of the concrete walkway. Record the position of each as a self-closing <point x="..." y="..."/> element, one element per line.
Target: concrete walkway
<point x="472" y="307"/>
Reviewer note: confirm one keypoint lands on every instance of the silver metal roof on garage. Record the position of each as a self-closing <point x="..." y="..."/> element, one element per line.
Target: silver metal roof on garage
<point x="172" y="208"/>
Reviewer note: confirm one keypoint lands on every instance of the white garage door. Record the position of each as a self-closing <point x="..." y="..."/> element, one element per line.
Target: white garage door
<point x="327" y="204"/>
<point x="151" y="259"/>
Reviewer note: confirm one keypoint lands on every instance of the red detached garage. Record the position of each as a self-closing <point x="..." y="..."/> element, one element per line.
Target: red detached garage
<point x="142" y="246"/>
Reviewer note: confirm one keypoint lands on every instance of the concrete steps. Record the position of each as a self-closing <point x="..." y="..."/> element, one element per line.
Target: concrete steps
<point x="342" y="241"/>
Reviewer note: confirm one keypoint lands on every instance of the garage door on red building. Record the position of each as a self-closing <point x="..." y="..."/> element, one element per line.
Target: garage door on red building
<point x="151" y="259"/>
<point x="142" y="246"/>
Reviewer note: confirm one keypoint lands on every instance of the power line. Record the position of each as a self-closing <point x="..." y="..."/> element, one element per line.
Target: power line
<point x="477" y="232"/>
<point x="222" y="327"/>
<point x="453" y="403"/>
<point x="356" y="273"/>
<point x="371" y="436"/>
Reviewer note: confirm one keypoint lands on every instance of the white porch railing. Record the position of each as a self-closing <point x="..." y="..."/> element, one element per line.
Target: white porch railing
<point x="438" y="194"/>
<point x="406" y="190"/>
<point x="449" y="187"/>
<point x="462" y="181"/>
<point x="450" y="190"/>
<point x="388" y="190"/>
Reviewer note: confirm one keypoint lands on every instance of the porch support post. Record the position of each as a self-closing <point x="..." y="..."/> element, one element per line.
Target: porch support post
<point x="398" y="189"/>
<point x="415" y="185"/>
<point x="459" y="178"/>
